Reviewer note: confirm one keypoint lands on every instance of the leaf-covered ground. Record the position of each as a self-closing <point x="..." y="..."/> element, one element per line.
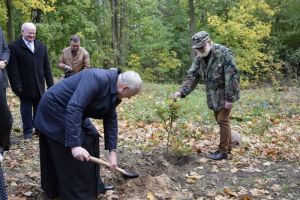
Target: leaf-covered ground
<point x="264" y="166"/>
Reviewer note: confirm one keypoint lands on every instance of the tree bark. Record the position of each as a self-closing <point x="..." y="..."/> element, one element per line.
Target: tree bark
<point x="226" y="10"/>
<point x="192" y="27"/>
<point x="9" y="23"/>
<point x="114" y="24"/>
<point x="121" y="34"/>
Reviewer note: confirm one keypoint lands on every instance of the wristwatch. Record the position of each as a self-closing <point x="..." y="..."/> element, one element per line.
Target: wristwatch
<point x="115" y="150"/>
<point x="5" y="61"/>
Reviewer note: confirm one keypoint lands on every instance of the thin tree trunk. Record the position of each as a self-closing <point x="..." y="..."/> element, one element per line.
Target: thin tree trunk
<point x="9" y="23"/>
<point x="226" y="11"/>
<point x="121" y="35"/>
<point x="192" y="26"/>
<point x="114" y="25"/>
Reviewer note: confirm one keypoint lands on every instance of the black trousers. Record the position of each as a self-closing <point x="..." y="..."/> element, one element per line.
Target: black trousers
<point x="65" y="177"/>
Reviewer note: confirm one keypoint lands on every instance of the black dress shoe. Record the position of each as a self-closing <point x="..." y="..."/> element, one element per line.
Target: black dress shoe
<point x="108" y="186"/>
<point x="217" y="156"/>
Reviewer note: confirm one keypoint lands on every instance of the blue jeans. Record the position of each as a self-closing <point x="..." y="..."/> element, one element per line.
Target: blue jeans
<point x="28" y="109"/>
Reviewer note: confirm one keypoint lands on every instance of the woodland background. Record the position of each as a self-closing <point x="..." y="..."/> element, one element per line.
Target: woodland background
<point x="166" y="141"/>
<point x="153" y="36"/>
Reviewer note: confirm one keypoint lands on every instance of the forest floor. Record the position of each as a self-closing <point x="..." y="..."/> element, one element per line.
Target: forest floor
<point x="264" y="166"/>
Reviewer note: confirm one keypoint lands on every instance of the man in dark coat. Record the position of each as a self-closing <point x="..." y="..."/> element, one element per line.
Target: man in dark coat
<point x="28" y="68"/>
<point x="68" y="137"/>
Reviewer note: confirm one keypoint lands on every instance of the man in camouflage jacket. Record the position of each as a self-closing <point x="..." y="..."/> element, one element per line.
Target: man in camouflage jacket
<point x="214" y="64"/>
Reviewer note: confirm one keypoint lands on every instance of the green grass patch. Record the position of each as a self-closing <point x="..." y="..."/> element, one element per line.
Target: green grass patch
<point x="255" y="107"/>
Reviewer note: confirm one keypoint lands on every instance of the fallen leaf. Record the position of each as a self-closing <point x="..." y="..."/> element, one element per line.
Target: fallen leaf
<point x="257" y="192"/>
<point x="150" y="196"/>
<point x="211" y="193"/>
<point x="28" y="194"/>
<point x="234" y="170"/>
<point x="276" y="188"/>
<point x="245" y="197"/>
<point x="229" y="192"/>
<point x="267" y="163"/>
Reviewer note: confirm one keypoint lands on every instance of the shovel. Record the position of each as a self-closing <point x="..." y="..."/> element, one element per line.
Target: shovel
<point x="126" y="174"/>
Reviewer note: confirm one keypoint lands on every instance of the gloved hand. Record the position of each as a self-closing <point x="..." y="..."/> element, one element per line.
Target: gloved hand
<point x="68" y="69"/>
<point x="112" y="159"/>
<point x="80" y="153"/>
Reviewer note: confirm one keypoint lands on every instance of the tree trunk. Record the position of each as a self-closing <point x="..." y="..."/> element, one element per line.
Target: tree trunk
<point x="121" y="35"/>
<point x="226" y="10"/>
<point x="114" y="24"/>
<point x="192" y="26"/>
<point x="9" y="23"/>
<point x="36" y="15"/>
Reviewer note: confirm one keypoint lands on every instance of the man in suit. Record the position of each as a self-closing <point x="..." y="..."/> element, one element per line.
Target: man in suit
<point x="68" y="137"/>
<point x="28" y="68"/>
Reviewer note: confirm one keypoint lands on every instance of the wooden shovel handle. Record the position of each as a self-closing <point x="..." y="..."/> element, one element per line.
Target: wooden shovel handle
<point x="106" y="164"/>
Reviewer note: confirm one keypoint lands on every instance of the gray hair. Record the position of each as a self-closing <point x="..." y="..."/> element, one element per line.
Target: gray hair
<point x="132" y="80"/>
<point x="27" y="25"/>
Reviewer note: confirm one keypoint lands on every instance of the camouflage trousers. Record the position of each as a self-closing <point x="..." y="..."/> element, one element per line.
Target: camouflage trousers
<point x="222" y="118"/>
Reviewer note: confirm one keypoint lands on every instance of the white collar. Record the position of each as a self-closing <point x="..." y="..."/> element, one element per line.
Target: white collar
<point x="27" y="42"/>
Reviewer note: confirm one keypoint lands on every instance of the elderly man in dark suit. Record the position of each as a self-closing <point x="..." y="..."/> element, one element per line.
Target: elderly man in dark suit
<point x="28" y="68"/>
<point x="67" y="137"/>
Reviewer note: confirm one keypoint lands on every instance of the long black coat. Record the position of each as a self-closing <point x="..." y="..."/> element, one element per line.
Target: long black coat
<point x="28" y="71"/>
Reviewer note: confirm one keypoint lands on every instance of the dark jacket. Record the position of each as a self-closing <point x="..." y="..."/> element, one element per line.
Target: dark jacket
<point x="4" y="55"/>
<point x="28" y="71"/>
<point x="64" y="109"/>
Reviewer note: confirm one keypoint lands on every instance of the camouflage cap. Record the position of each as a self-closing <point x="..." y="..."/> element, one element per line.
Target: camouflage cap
<point x="200" y="39"/>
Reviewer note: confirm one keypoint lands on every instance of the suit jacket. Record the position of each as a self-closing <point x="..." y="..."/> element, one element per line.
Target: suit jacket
<point x="64" y="109"/>
<point x="27" y="71"/>
<point x="4" y="55"/>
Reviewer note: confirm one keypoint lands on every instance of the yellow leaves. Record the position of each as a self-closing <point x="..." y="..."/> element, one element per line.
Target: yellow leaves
<point x="258" y="192"/>
<point x="26" y="6"/>
<point x="244" y="32"/>
<point x="193" y="177"/>
<point x="150" y="196"/>
<point x="230" y="193"/>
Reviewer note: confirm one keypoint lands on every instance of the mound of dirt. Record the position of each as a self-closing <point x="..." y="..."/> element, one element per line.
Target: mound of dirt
<point x="149" y="187"/>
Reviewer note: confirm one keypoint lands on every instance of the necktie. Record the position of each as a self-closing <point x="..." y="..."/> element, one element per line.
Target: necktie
<point x="30" y="45"/>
